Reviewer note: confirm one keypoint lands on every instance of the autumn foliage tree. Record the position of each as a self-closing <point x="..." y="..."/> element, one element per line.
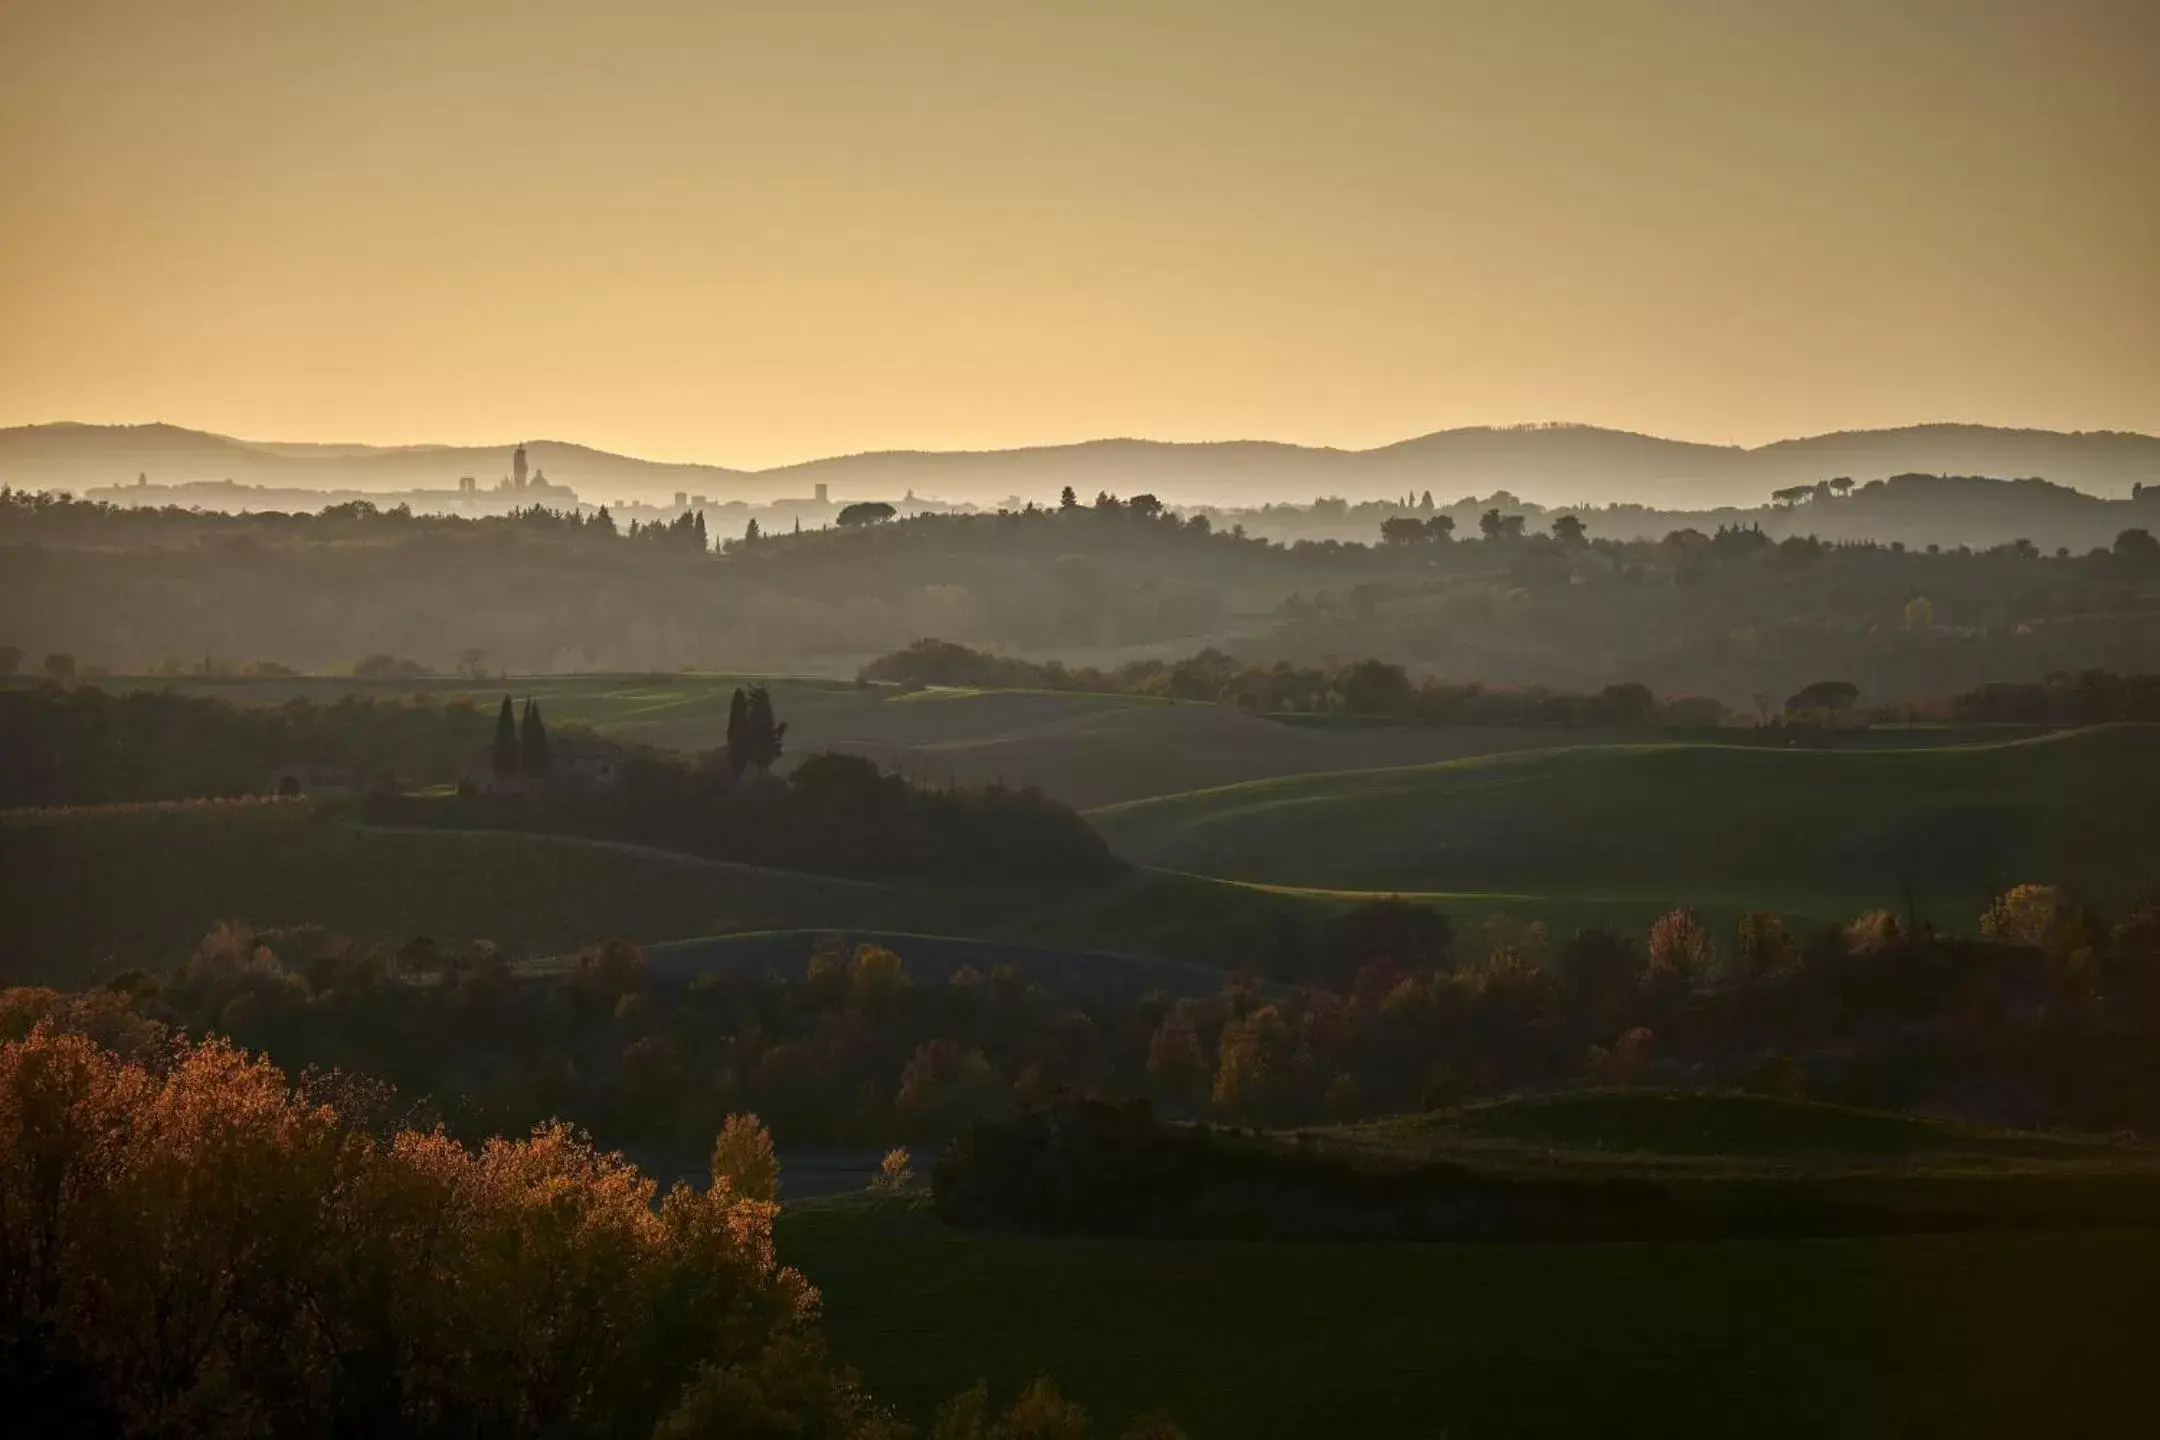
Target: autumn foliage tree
<point x="189" y="1246"/>
<point x="1682" y="949"/>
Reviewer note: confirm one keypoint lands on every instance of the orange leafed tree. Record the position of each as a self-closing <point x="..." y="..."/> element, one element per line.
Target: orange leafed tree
<point x="188" y="1246"/>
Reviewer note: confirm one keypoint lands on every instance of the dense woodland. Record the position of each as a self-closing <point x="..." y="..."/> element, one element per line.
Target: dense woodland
<point x="1732" y="613"/>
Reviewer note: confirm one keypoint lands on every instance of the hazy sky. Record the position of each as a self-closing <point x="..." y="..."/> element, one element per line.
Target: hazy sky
<point x="750" y="233"/>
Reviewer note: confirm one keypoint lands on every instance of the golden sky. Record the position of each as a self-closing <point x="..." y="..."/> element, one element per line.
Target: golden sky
<point x="753" y="233"/>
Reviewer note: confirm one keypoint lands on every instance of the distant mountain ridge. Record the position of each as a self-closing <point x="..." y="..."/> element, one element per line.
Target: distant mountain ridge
<point x="1553" y="464"/>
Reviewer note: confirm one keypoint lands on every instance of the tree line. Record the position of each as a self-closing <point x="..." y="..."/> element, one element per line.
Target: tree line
<point x="1719" y="608"/>
<point x="82" y="745"/>
<point x="833" y="814"/>
<point x="2043" y="1016"/>
<point x="1373" y="687"/>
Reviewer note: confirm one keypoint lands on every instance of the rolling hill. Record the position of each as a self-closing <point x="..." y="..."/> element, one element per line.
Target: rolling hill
<point x="1821" y="833"/>
<point x="1553" y="464"/>
<point x="67" y="456"/>
<point x="93" y="891"/>
<point x="1082" y="749"/>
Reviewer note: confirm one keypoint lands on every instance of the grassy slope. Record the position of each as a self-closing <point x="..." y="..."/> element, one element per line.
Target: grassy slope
<point x="89" y="891"/>
<point x="1082" y="749"/>
<point x="1824" y="832"/>
<point x="1920" y="1334"/>
<point x="1726" y="1154"/>
<point x="1723" y="1126"/>
<point x="1933" y="1335"/>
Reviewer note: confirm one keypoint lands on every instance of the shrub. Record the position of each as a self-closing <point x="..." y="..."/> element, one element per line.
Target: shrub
<point x="895" y="1173"/>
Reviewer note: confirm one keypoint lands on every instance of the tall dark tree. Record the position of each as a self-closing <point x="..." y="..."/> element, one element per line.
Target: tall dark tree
<point x="738" y="734"/>
<point x="766" y="735"/>
<point x="504" y="756"/>
<point x="533" y="741"/>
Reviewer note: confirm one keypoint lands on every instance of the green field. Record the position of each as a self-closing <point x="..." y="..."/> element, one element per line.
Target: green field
<point x="1928" y="1334"/>
<point x="1666" y="1133"/>
<point x="1082" y="749"/>
<point x="92" y="891"/>
<point x="1811" y="832"/>
<point x="1966" y="1335"/>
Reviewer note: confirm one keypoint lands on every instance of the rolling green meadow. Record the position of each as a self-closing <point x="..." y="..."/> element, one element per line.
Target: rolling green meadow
<point x="1082" y="749"/>
<point x="1314" y="819"/>
<point x="1986" y="1333"/>
<point x="98" y="890"/>
<point x="1825" y="833"/>
<point x="1949" y="1335"/>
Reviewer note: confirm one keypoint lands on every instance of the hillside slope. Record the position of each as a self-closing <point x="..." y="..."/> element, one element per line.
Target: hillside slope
<point x="1081" y="749"/>
<point x="1814" y="831"/>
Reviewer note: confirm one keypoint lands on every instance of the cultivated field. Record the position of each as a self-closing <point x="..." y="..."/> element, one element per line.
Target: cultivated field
<point x="1964" y="1335"/>
<point x="1811" y="832"/>
<point x="1085" y="750"/>
<point x="96" y="890"/>
<point x="1967" y="1334"/>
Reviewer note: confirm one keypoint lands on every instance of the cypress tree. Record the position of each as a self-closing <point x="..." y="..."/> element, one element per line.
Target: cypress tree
<point x="738" y="734"/>
<point x="504" y="757"/>
<point x="533" y="741"/>
<point x="765" y="735"/>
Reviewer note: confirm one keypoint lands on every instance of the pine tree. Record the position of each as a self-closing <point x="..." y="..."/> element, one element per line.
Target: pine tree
<point x="750" y="532"/>
<point x="533" y="741"/>
<point x="504" y="757"/>
<point x="738" y="734"/>
<point x="702" y="543"/>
